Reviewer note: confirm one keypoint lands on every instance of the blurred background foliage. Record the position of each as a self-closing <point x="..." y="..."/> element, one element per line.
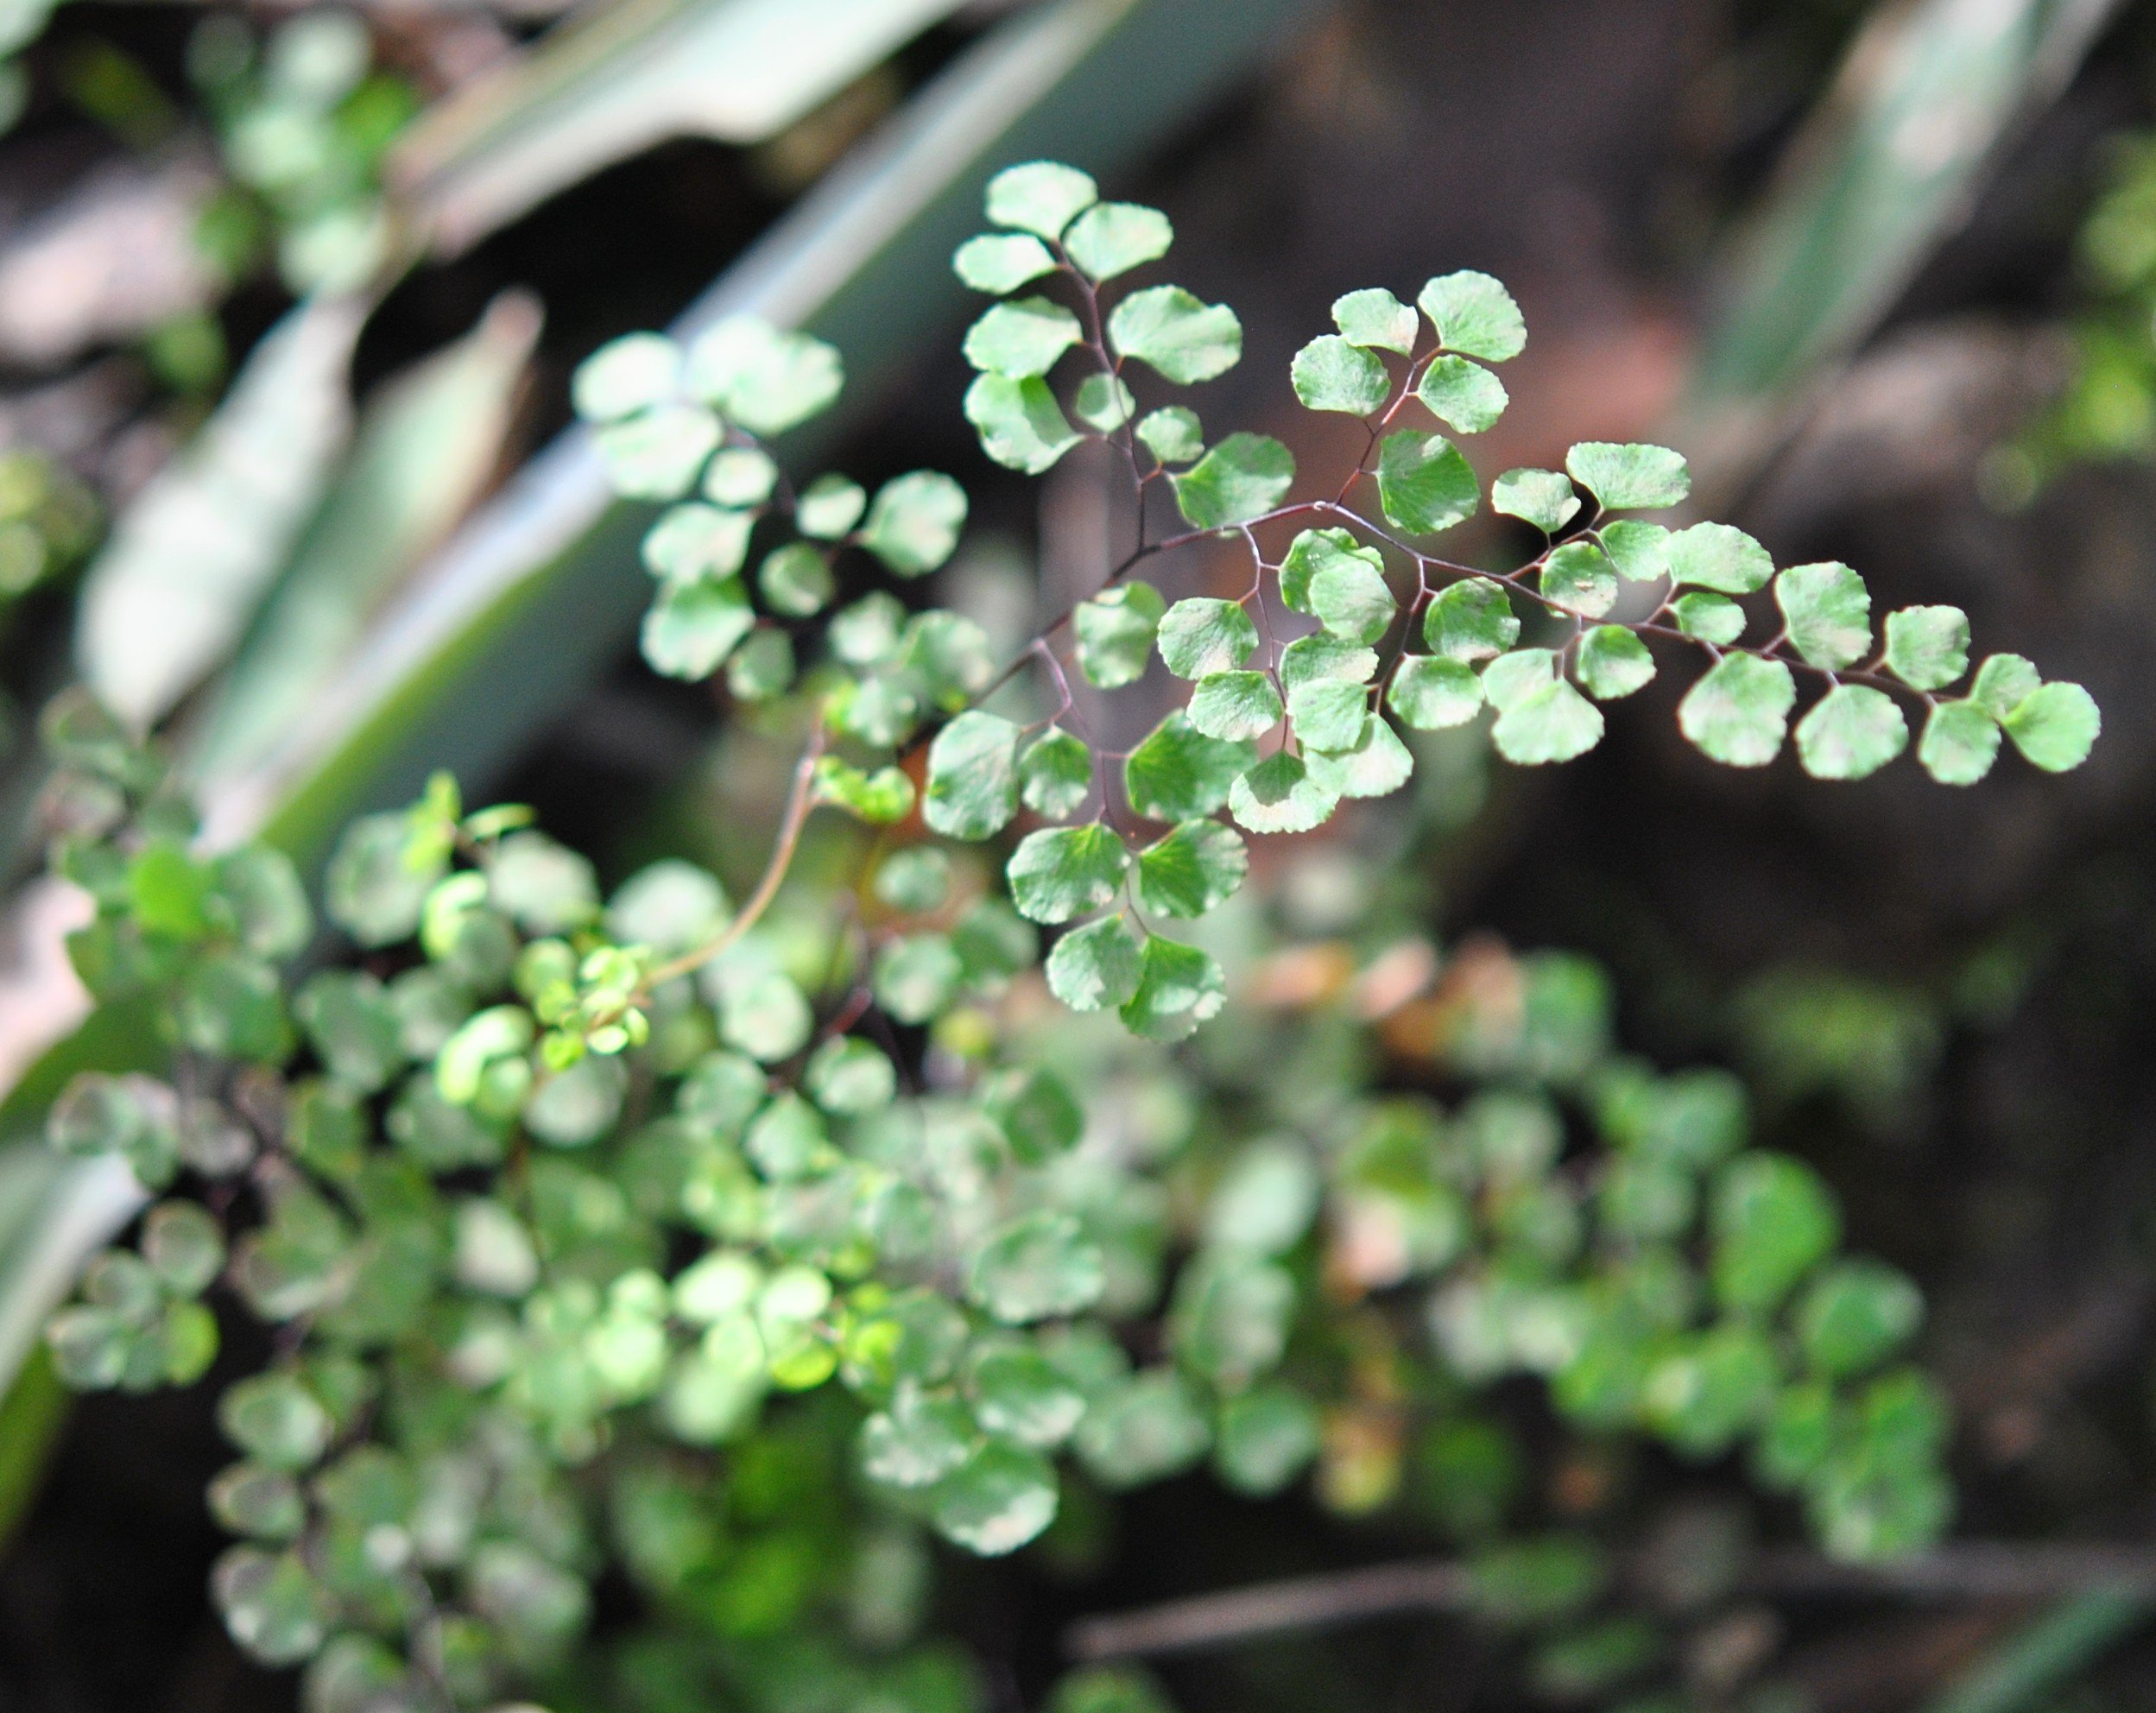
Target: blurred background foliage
<point x="288" y="302"/>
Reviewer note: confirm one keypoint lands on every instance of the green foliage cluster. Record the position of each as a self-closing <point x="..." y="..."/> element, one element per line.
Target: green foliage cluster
<point x="746" y="1248"/>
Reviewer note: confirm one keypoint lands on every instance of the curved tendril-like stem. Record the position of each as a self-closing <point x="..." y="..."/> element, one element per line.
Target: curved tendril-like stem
<point x="800" y="802"/>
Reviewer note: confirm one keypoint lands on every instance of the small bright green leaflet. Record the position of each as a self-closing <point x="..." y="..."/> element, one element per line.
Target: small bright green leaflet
<point x="763" y="377"/>
<point x="1856" y="1313"/>
<point x="1374" y="317"/>
<point x="1243" y="478"/>
<point x="881" y="797"/>
<point x="634" y="372"/>
<point x="1423" y="482"/>
<point x="691" y="543"/>
<point x="2054" y="726"/>
<point x="1055" y="773"/>
<point x="1036" y="1266"/>
<point x="1639" y="550"/>
<point x="1542" y="497"/>
<point x="1322" y="654"/>
<point x="1928" y="648"/>
<point x="1104" y="402"/>
<point x="1018" y="1394"/>
<point x="1329" y="713"/>
<point x="1463" y="394"/>
<point x="1850" y="733"/>
<point x="657" y="455"/>
<point x="1116" y="630"/>
<point x="1001" y="261"/>
<point x="1959" y="745"/>
<point x="1629" y="476"/>
<point x="1578" y="577"/>
<point x="1613" y="663"/>
<point x="1829" y="612"/>
<point x="1173" y="434"/>
<point x="1711" y="617"/>
<point x="972" y="777"/>
<point x="1351" y="598"/>
<point x="1719" y="556"/>
<point x="1023" y="337"/>
<point x="1430" y="693"/>
<point x="1003" y="1496"/>
<point x="1185" y="340"/>
<point x="1233" y="705"/>
<point x="1040" y="197"/>
<point x="1180" y="987"/>
<point x="1177" y="773"/>
<point x="1471" y="620"/>
<point x="1020" y="425"/>
<point x="1474" y="315"/>
<point x="1202" y="636"/>
<point x="1268" y="1435"/>
<point x="795" y="580"/>
<point x="829" y="506"/>
<point x="740" y="475"/>
<point x="1551" y="723"/>
<point x="763" y="667"/>
<point x="1280" y="794"/>
<point x="913" y="522"/>
<point x="1113" y="237"/>
<point x="1330" y="373"/>
<point x="1195" y="868"/>
<point x="2002" y="684"/>
<point x="1738" y="713"/>
<point x="693" y="627"/>
<point x="1309" y="552"/>
<point x="917" y="977"/>
<point x="1095" y="968"/>
<point x="1772" y="1221"/>
<point x="1375" y="765"/>
<point x="1061" y="872"/>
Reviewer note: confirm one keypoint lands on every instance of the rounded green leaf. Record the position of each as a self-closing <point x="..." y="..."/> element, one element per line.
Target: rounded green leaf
<point x="691" y="627"/>
<point x="1143" y="1428"/>
<point x="1040" y="197"/>
<point x="1639" y="550"/>
<point x="1178" y="774"/>
<point x="1474" y="314"/>
<point x="1322" y="654"/>
<point x="1203" y="635"/>
<point x="1375" y="765"/>
<point x="1002" y="1497"/>
<point x="657" y="455"/>
<point x="1629" y="476"/>
<point x="1180" y="987"/>
<point x="1020" y="425"/>
<point x="1329" y="713"/>
<point x="1613" y="663"/>
<point x="1018" y="1394"/>
<point x="1102" y="401"/>
<point x="1234" y="705"/>
<point x="1738" y="713"/>
<point x="972" y="777"/>
<point x="1850" y="733"/>
<point x="1330" y="373"/>
<point x="1828" y="612"/>
<point x="1061" y="872"/>
<point x="847" y="1076"/>
<point x="1542" y="497"/>
<point x="2002" y="684"/>
<point x="1176" y="334"/>
<point x="765" y="378"/>
<point x="1960" y="743"/>
<point x="1197" y="867"/>
<point x="1464" y="395"/>
<point x="276" y="1420"/>
<point x="1023" y="337"/>
<point x="916" y="879"/>
<point x="1772" y="1220"/>
<point x="917" y="976"/>
<point x="917" y="1441"/>
<point x="2054" y="726"/>
<point x="1579" y="579"/>
<point x="1116" y="630"/>
<point x="691" y="543"/>
<point x="1856" y="1313"/>
<point x="1928" y="648"/>
<point x="1424" y="485"/>
<point x="1430" y="693"/>
<point x="740" y="477"/>
<point x="1712" y="618"/>
<point x="1552" y="722"/>
<point x="1173" y="434"/>
<point x="1113" y="237"/>
<point x="1513" y="677"/>
<point x="1035" y="1267"/>
<point x="1471" y="620"/>
<point x="1095" y="968"/>
<point x="1241" y="479"/>
<point x="634" y="372"/>
<point x="1055" y="773"/>
<point x="795" y="580"/>
<point x="1349" y="595"/>
<point x="1374" y="317"/>
<point x="1280" y="795"/>
<point x="1000" y="262"/>
<point x="914" y="520"/>
<point x="1718" y="556"/>
<point x="1309" y="552"/>
<point x="1267" y="1437"/>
